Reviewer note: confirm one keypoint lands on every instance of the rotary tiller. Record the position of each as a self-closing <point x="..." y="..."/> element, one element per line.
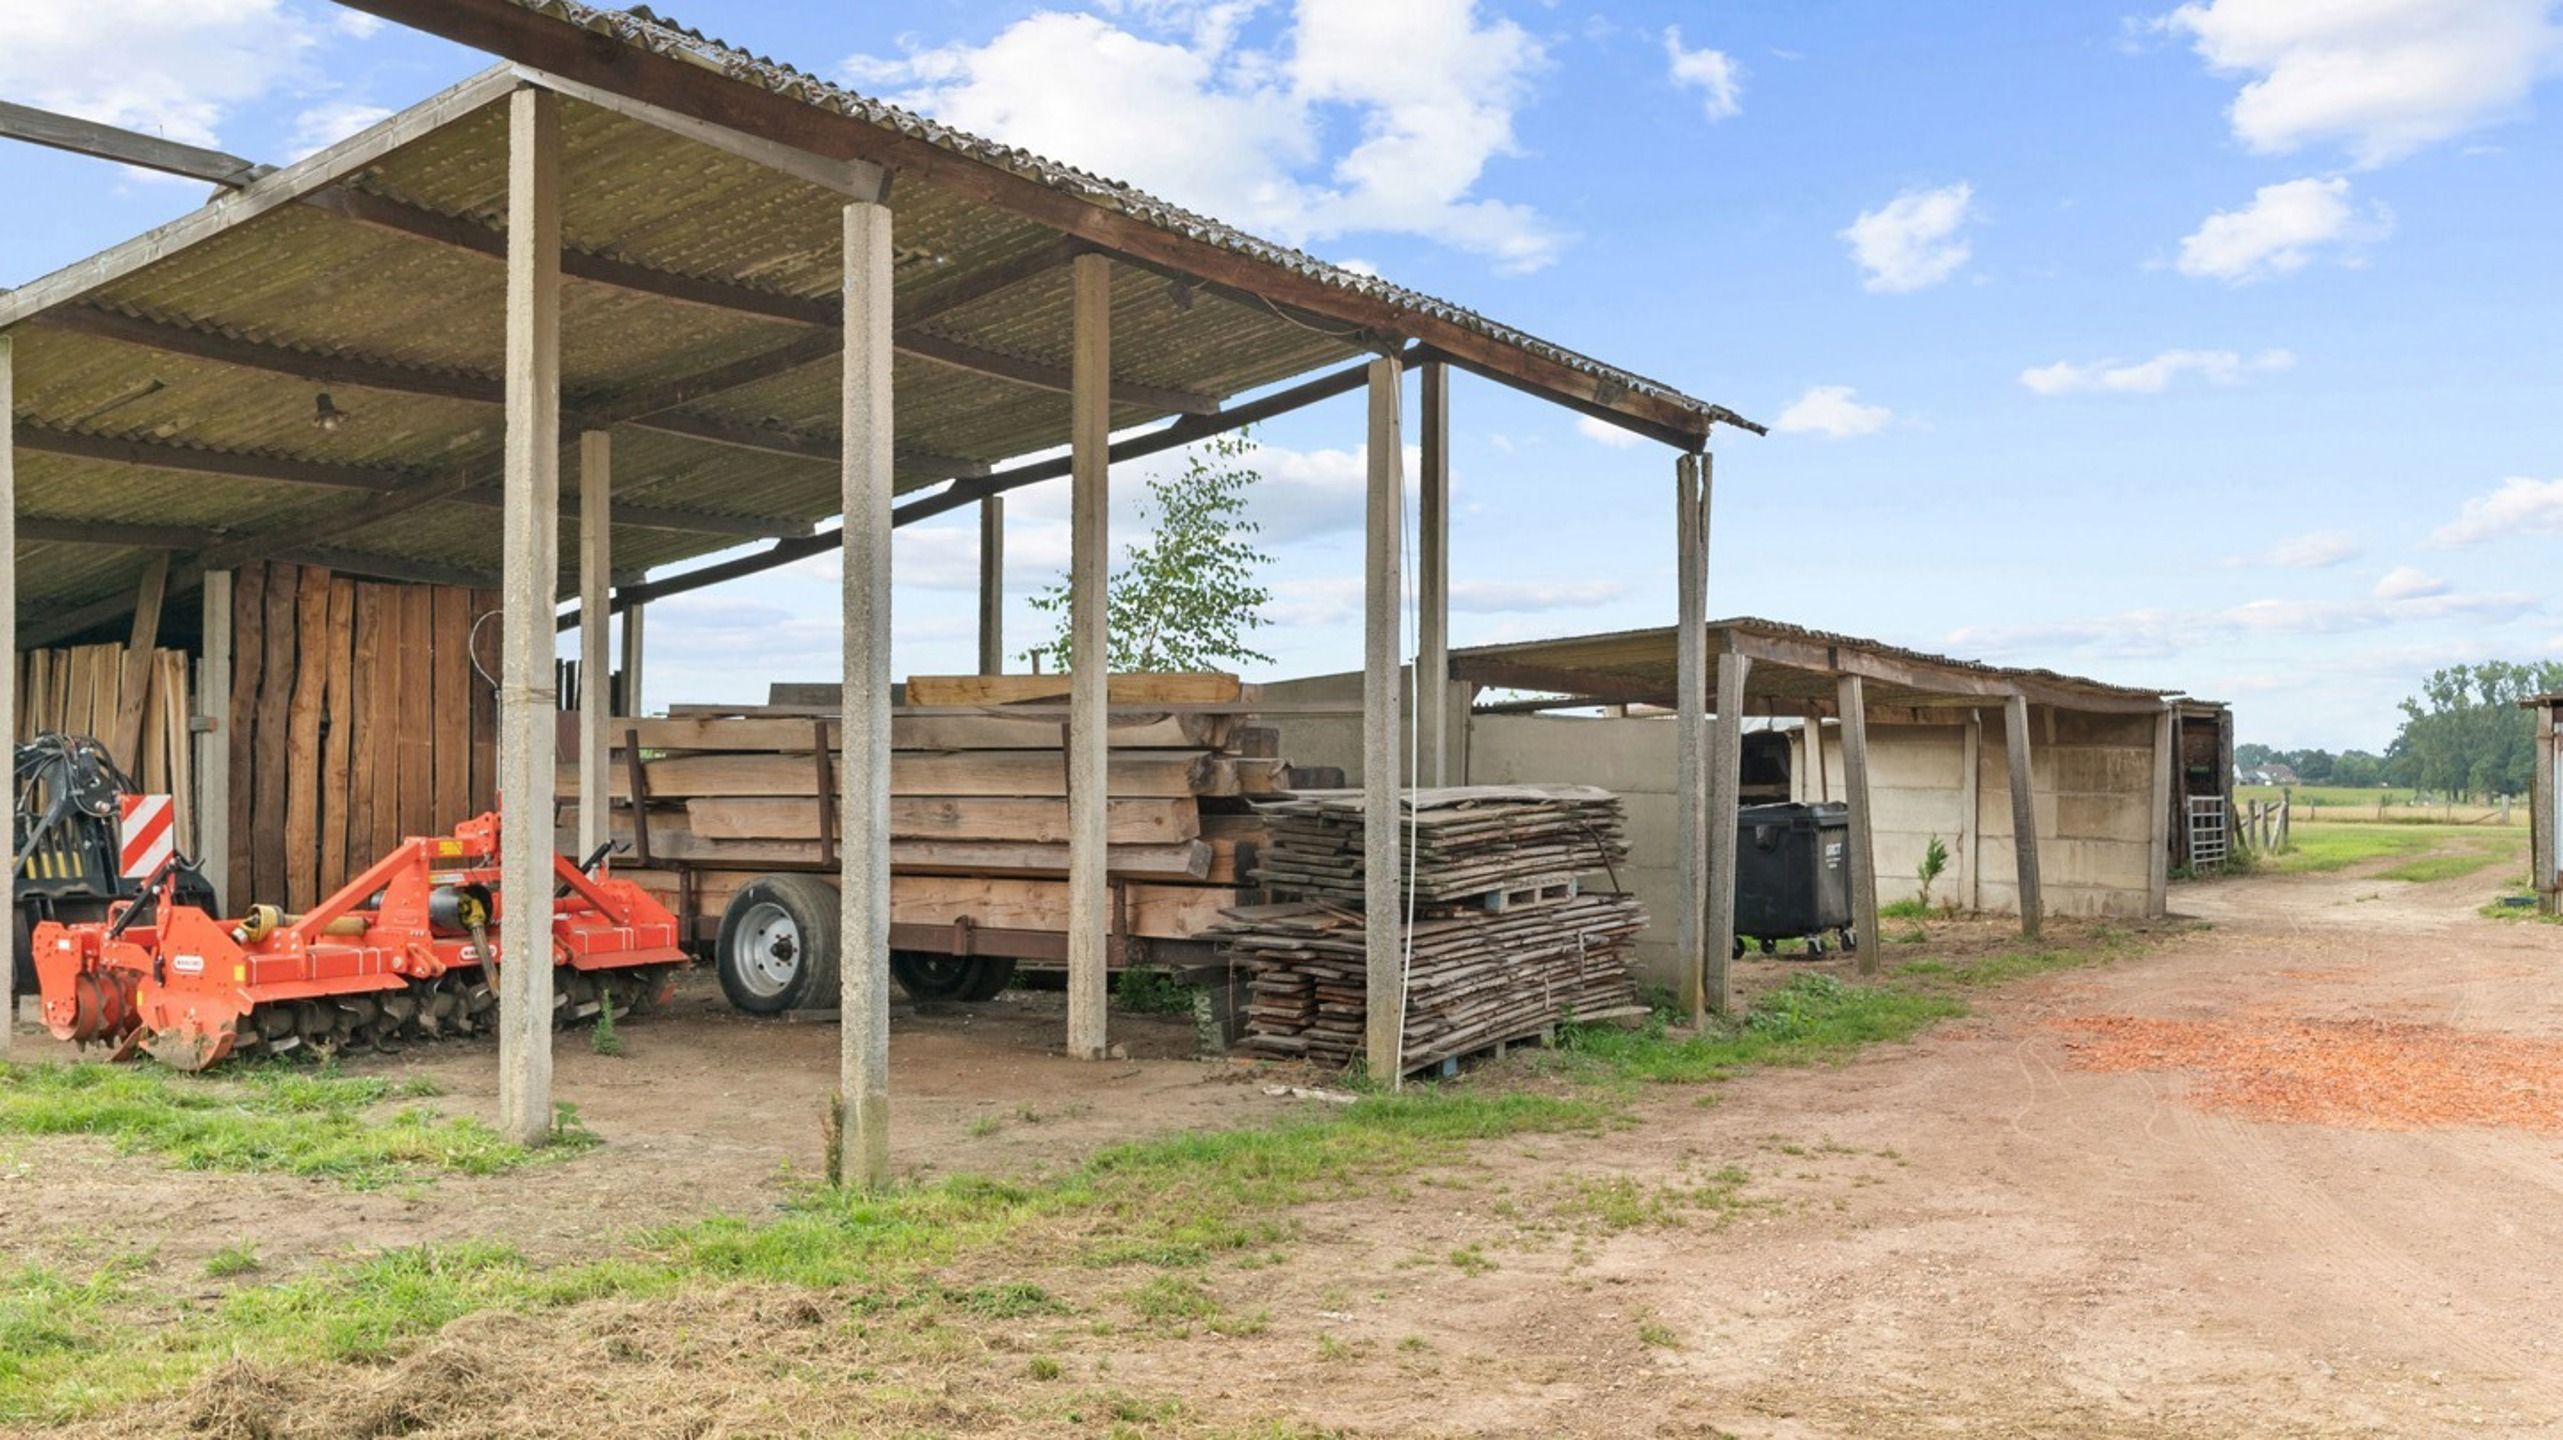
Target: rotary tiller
<point x="406" y="950"/>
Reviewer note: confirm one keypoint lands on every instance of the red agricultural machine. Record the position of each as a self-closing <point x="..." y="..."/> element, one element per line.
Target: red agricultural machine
<point x="405" y="950"/>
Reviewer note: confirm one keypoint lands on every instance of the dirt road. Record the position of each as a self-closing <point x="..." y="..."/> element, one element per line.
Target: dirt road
<point x="2083" y="1210"/>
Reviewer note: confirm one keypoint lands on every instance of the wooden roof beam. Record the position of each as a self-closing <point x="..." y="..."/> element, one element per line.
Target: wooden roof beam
<point x="114" y="534"/>
<point x="125" y="147"/>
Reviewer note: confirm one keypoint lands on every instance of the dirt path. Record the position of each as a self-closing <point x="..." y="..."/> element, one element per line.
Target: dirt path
<point x="1978" y="1234"/>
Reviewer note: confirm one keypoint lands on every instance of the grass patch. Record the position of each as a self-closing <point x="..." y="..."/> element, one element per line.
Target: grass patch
<point x="231" y="1260"/>
<point x="2321" y="849"/>
<point x="289" y="1119"/>
<point x="2432" y="868"/>
<point x="1909" y="908"/>
<point x="1152" y="992"/>
<point x="2519" y="906"/>
<point x="1810" y="1020"/>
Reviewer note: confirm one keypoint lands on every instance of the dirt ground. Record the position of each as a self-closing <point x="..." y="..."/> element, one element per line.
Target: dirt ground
<point x="1977" y="1233"/>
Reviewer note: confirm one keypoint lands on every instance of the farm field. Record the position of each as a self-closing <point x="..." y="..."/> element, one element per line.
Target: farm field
<point x="2158" y="1173"/>
<point x="2320" y="802"/>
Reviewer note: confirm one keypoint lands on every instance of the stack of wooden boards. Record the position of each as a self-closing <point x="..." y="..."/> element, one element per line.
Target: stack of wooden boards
<point x="132" y="701"/>
<point x="1506" y="941"/>
<point x="979" y="809"/>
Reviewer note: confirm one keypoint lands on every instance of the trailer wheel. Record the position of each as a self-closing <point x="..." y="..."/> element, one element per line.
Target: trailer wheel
<point x="931" y="975"/>
<point x="779" y="945"/>
<point x="994" y="974"/>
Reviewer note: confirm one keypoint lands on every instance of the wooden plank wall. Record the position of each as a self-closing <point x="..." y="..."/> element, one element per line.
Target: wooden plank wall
<point x="140" y="712"/>
<point x="357" y="718"/>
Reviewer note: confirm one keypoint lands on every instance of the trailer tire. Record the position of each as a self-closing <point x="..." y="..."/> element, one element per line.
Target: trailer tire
<point x="931" y="975"/>
<point x="995" y="972"/>
<point x="779" y="947"/>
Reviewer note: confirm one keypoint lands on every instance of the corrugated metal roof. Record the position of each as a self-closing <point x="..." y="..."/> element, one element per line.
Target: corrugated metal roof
<point x="313" y="286"/>
<point x="1646" y="659"/>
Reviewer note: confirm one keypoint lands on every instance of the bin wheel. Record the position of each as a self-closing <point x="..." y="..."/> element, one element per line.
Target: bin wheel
<point x="1815" y="947"/>
<point x="1850" y="940"/>
<point x="1770" y="946"/>
<point x="1739" y="949"/>
<point x="778" y="946"/>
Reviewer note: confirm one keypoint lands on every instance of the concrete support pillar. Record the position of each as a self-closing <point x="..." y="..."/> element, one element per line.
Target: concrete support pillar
<point x="1089" y="643"/>
<point x="863" y="718"/>
<point x="212" y="839"/>
<point x="1971" y="825"/>
<point x="1726" y="791"/>
<point x="595" y="623"/>
<point x="9" y="627"/>
<point x="2545" y="819"/>
<point x="1853" y="694"/>
<point x="531" y="560"/>
<point x="633" y="632"/>
<point x="1818" y="786"/>
<point x="2024" y="814"/>
<point x="1691" y="738"/>
<point x="1433" y="584"/>
<point x="1383" y="867"/>
<point x="2158" y="898"/>
<point x="992" y="585"/>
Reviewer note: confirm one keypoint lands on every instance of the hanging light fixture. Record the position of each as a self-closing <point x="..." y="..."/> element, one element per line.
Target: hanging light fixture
<point x="326" y="416"/>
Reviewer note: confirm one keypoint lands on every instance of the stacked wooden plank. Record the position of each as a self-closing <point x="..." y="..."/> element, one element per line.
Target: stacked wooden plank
<point x="132" y="701"/>
<point x="1506" y="939"/>
<point x="979" y="808"/>
<point x="357" y="718"/>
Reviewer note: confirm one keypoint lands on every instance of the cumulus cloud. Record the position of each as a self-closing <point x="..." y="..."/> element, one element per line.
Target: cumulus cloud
<point x="322" y="126"/>
<point x="1713" y="73"/>
<point x="2405" y="582"/>
<point x="2280" y="231"/>
<point x="1603" y="432"/>
<point x="2317" y="550"/>
<point x="1832" y="412"/>
<point x="2384" y="78"/>
<point x="173" y="68"/>
<point x="1511" y="597"/>
<point x="1912" y="242"/>
<point x="2150" y="377"/>
<point x="2520" y="506"/>
<point x="2145" y="633"/>
<point x="1425" y="90"/>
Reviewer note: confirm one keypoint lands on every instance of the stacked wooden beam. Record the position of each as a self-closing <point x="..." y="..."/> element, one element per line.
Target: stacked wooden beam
<point x="1506" y="940"/>
<point x="132" y="701"/>
<point x="979" y="809"/>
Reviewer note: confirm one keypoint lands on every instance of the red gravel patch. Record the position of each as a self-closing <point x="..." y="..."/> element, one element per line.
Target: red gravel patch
<point x="2360" y="1074"/>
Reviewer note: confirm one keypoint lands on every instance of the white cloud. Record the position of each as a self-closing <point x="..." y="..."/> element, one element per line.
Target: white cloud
<point x="1713" y="73"/>
<point x="2404" y="582"/>
<point x="1603" y="432"/>
<point x="2318" y="550"/>
<point x="2150" y="377"/>
<point x="1832" y="412"/>
<point x="1426" y="88"/>
<point x="2155" y="633"/>
<point x="2278" y="232"/>
<point x="2382" y="77"/>
<point x="325" y="125"/>
<point x="1911" y="242"/>
<point x="2520" y="506"/>
<point x="173" y="68"/>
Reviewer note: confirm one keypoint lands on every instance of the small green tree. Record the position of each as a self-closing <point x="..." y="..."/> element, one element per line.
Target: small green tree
<point x="1935" y="859"/>
<point x="1189" y="596"/>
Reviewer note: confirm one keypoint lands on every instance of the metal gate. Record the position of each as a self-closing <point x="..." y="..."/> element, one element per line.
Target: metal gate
<point x="2209" y="833"/>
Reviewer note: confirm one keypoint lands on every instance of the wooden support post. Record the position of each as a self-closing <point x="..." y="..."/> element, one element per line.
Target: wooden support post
<point x="1818" y="786"/>
<point x="1433" y="583"/>
<point x="2546" y="815"/>
<point x="1089" y="643"/>
<point x="992" y="585"/>
<point x="863" y="776"/>
<point x="595" y="662"/>
<point x="633" y="633"/>
<point x="1690" y="742"/>
<point x="1854" y="696"/>
<point x="134" y="687"/>
<point x="2024" y="814"/>
<point x="9" y="628"/>
<point x="1726" y="791"/>
<point x="1971" y="828"/>
<point x="212" y="839"/>
<point x="1383" y="906"/>
<point x="531" y="556"/>
<point x="2158" y="894"/>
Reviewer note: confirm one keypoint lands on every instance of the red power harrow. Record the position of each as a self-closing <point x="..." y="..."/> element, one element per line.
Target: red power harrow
<point x="405" y="950"/>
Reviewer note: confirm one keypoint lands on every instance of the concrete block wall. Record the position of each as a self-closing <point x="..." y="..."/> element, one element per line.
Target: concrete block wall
<point x="1630" y="758"/>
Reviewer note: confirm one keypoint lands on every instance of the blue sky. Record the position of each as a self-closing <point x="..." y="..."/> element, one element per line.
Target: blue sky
<point x="2210" y="347"/>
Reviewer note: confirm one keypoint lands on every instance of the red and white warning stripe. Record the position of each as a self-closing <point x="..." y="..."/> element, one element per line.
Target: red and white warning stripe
<point x="149" y="832"/>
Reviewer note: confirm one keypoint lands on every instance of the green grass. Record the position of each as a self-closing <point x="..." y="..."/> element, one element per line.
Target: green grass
<point x="1152" y="992"/>
<point x="1812" y="1019"/>
<point x="2519" y="905"/>
<point x="294" y="1120"/>
<point x="2432" y="868"/>
<point x="231" y="1260"/>
<point x="2321" y="849"/>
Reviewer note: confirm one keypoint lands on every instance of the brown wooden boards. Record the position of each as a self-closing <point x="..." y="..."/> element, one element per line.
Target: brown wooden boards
<point x="301" y="855"/>
<point x="338" y="739"/>
<point x="941" y="817"/>
<point x="1205" y="688"/>
<point x="450" y="746"/>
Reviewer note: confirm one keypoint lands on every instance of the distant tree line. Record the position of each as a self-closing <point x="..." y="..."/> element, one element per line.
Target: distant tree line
<point x="2463" y="735"/>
